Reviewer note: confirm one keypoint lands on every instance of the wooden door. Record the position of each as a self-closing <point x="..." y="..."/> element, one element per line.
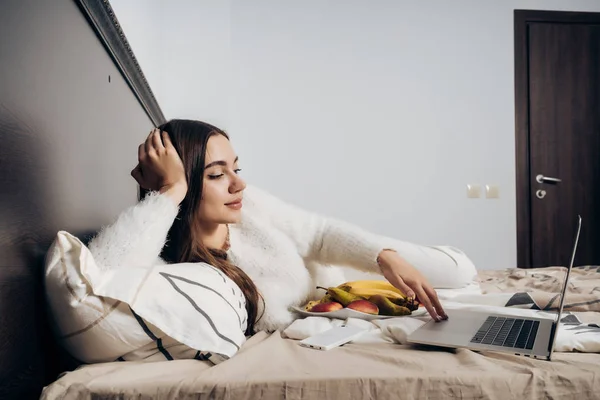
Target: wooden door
<point x="557" y="88"/>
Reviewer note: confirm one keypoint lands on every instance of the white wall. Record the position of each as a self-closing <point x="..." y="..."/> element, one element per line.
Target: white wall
<point x="379" y="113"/>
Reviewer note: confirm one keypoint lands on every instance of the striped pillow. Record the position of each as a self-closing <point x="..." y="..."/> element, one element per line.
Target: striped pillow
<point x="175" y="311"/>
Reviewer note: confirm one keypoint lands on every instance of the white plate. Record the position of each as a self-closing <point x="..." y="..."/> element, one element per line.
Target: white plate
<point x="346" y="313"/>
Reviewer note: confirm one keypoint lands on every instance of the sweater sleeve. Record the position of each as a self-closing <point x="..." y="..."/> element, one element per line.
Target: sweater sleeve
<point x="335" y="242"/>
<point x="137" y="236"/>
<point x="317" y="237"/>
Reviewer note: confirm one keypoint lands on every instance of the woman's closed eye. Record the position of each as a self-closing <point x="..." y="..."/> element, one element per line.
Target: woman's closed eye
<point x="217" y="176"/>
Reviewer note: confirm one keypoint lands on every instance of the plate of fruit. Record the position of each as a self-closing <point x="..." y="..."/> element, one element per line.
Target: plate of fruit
<point x="365" y="299"/>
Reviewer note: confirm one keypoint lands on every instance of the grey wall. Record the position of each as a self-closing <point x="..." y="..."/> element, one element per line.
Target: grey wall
<point x="68" y="140"/>
<point x="376" y="112"/>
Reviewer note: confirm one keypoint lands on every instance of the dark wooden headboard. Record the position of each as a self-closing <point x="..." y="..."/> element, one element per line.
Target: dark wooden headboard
<point x="74" y="106"/>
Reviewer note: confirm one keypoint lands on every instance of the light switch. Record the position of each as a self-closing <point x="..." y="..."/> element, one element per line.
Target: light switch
<point x="473" y="191"/>
<point x="492" y="191"/>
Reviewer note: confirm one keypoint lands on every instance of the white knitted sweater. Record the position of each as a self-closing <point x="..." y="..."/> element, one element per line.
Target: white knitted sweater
<point x="286" y="251"/>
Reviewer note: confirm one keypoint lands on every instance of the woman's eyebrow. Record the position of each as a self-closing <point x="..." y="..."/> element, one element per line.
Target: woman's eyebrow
<point x="220" y="162"/>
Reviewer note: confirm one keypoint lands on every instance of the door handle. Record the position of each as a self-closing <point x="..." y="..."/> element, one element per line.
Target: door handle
<point x="546" y="179"/>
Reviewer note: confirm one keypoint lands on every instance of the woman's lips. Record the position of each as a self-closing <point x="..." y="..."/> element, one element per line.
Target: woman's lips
<point x="235" y="205"/>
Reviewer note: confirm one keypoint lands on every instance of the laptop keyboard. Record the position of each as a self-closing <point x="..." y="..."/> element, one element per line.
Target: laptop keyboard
<point x="507" y="332"/>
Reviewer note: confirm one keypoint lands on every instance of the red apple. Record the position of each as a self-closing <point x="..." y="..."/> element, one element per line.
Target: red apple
<point x="326" y="307"/>
<point x="364" y="306"/>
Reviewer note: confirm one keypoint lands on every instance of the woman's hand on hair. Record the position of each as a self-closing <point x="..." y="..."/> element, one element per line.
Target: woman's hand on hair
<point x="411" y="282"/>
<point x="159" y="167"/>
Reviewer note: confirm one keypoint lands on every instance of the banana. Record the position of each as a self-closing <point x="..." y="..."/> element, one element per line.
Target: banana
<point x="372" y="287"/>
<point x="373" y="284"/>
<point x="368" y="292"/>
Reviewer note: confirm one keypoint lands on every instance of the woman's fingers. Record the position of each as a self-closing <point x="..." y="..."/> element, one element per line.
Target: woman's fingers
<point x="157" y="142"/>
<point x="167" y="141"/>
<point x="148" y="143"/>
<point x="400" y="284"/>
<point x="436" y="302"/>
<point x="424" y="299"/>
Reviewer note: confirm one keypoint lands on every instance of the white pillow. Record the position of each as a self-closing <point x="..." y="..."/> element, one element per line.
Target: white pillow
<point x="174" y="311"/>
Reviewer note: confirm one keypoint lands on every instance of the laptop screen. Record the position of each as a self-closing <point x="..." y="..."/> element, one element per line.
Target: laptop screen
<point x="566" y="284"/>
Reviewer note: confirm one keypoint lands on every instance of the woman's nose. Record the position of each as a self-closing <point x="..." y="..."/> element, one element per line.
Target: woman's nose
<point x="238" y="185"/>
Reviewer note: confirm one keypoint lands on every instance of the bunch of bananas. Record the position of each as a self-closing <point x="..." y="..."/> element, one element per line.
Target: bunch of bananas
<point x="371" y="296"/>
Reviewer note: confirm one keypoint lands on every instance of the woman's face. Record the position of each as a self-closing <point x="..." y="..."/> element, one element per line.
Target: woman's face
<point x="223" y="188"/>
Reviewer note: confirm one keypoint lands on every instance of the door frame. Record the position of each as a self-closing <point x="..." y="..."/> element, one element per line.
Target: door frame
<point x="522" y="20"/>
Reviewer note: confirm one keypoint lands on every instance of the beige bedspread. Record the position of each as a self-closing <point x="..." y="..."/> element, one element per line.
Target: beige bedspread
<point x="271" y="367"/>
<point x="543" y="285"/>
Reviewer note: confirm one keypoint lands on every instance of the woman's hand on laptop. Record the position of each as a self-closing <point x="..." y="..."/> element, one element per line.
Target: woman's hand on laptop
<point x="411" y="282"/>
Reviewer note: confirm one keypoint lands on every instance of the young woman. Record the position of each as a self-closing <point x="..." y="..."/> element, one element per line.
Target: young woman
<point x="194" y="207"/>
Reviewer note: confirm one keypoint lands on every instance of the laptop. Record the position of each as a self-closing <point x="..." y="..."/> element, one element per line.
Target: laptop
<point x="483" y="331"/>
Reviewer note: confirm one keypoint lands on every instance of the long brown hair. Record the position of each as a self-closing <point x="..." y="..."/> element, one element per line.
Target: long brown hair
<point x="183" y="244"/>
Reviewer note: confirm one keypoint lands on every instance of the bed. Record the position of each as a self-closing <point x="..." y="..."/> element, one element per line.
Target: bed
<point x="273" y="366"/>
<point x="74" y="101"/>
